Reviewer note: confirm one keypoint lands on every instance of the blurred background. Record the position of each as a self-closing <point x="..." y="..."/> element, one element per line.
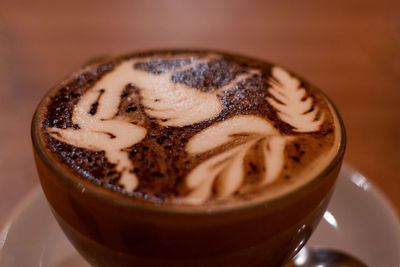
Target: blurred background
<point x="350" y="49"/>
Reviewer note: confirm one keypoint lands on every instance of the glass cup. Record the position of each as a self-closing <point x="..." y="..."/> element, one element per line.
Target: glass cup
<point x="108" y="229"/>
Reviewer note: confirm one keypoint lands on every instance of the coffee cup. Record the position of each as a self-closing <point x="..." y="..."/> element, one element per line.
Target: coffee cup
<point x="187" y="158"/>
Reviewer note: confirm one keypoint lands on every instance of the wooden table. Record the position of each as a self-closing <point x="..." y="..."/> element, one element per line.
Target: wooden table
<point x="350" y="51"/>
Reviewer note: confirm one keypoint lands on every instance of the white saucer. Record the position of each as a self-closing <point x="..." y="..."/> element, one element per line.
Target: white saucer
<point x="359" y="221"/>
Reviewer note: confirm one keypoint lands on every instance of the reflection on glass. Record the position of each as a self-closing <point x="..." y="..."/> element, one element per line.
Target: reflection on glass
<point x="301" y="257"/>
<point x="329" y="218"/>
<point x="360" y="181"/>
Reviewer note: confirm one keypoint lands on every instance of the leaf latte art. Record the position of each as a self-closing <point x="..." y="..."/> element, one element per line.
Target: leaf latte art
<point x="228" y="167"/>
<point x="190" y="127"/>
<point x="292" y="102"/>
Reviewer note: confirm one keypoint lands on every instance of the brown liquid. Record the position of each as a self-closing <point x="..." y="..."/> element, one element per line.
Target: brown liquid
<point x="169" y="154"/>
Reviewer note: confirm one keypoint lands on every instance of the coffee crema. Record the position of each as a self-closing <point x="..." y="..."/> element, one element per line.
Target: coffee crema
<point x="190" y="128"/>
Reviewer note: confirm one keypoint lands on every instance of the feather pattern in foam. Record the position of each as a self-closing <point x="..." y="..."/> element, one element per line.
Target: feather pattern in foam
<point x="292" y="103"/>
<point x="226" y="170"/>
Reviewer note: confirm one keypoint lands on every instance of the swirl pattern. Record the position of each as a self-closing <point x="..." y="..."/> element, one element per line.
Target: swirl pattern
<point x="195" y="127"/>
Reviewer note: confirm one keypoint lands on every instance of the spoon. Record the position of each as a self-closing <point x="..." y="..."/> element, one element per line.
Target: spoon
<point x="321" y="257"/>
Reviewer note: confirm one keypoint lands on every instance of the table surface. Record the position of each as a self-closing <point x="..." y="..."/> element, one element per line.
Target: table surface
<point x="350" y="51"/>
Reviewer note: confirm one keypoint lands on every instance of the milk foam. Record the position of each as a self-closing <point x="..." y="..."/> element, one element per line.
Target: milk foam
<point x="293" y="105"/>
<point x="172" y="104"/>
<point x="103" y="131"/>
<point x="228" y="166"/>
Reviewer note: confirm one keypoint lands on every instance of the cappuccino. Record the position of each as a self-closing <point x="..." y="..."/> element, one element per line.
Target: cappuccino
<point x="190" y="128"/>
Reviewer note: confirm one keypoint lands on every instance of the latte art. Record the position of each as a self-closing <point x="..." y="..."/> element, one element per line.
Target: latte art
<point x="292" y="103"/>
<point x="228" y="167"/>
<point x="191" y="128"/>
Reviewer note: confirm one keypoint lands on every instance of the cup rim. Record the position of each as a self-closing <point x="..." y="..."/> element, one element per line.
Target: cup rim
<point x="117" y="199"/>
